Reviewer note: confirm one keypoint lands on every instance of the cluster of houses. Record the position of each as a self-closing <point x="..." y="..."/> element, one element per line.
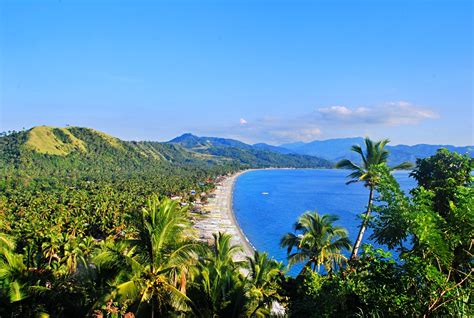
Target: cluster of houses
<point x="195" y="200"/>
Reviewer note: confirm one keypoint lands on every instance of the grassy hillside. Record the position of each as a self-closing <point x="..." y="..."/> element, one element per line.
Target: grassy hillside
<point x="53" y="141"/>
<point x="85" y="141"/>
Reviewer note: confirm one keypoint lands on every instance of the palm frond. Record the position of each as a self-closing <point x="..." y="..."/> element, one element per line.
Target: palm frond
<point x="341" y="244"/>
<point x="6" y="242"/>
<point x="179" y="300"/>
<point x="290" y="241"/>
<point x="402" y="166"/>
<point x="296" y="258"/>
<point x="358" y="149"/>
<point x="347" y="164"/>
<point x="370" y="149"/>
<point x="16" y="292"/>
<point x="129" y="290"/>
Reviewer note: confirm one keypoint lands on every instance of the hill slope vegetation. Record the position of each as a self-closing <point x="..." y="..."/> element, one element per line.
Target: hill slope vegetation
<point x="259" y="155"/>
<point x="85" y="149"/>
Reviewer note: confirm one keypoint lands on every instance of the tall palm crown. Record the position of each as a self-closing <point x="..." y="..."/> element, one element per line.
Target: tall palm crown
<point x="229" y="285"/>
<point x="223" y="253"/>
<point x="316" y="242"/>
<point x="263" y="269"/>
<point x="375" y="155"/>
<point x="263" y="283"/>
<point x="155" y="262"/>
<point x="12" y="271"/>
<point x="219" y="288"/>
<point x="368" y="172"/>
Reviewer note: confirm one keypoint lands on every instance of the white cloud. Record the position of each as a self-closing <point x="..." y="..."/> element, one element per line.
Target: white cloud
<point x="305" y="134"/>
<point x="327" y="122"/>
<point x="340" y="110"/>
<point x="276" y="130"/>
<point x="392" y="113"/>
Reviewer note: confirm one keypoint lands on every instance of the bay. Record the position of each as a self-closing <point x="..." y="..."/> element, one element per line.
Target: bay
<point x="267" y="203"/>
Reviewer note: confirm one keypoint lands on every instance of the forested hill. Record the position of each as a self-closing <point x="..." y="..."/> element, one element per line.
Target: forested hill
<point x="87" y="149"/>
<point x="249" y="155"/>
<point x="100" y="179"/>
<point x="85" y="162"/>
<point x="83" y="149"/>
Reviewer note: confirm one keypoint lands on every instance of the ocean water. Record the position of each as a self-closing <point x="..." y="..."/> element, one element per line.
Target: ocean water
<point x="265" y="218"/>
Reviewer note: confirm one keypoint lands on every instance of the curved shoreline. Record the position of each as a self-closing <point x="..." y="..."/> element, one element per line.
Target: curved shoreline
<point x="249" y="249"/>
<point x="220" y="217"/>
<point x="228" y="184"/>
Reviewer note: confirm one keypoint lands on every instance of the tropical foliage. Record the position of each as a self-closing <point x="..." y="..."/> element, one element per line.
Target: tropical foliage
<point x="431" y="273"/>
<point x="369" y="172"/>
<point x="316" y="242"/>
<point x="154" y="260"/>
<point x="90" y="232"/>
<point x="232" y="285"/>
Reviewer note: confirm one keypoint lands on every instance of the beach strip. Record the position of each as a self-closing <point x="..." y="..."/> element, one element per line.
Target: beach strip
<point x="220" y="217"/>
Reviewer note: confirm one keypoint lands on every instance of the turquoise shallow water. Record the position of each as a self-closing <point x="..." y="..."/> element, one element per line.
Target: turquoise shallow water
<point x="265" y="218"/>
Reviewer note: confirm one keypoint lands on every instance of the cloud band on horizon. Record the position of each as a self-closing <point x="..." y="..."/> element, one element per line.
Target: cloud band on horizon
<point x="327" y="121"/>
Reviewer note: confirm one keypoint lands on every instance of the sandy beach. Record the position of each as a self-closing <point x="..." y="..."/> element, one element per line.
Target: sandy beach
<point x="220" y="217"/>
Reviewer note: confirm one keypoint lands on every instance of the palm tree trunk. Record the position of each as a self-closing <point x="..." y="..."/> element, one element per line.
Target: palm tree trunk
<point x="50" y="259"/>
<point x="363" y="226"/>
<point x="305" y="268"/>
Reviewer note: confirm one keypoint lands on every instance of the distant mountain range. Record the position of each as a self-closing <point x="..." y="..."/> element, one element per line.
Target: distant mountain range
<point x="332" y="149"/>
<point x="336" y="149"/>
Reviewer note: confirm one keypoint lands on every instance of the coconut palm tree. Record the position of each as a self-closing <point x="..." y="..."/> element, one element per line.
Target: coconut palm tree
<point x="369" y="172"/>
<point x="219" y="289"/>
<point x="12" y="271"/>
<point x="154" y="263"/>
<point x="263" y="278"/>
<point x="223" y="252"/>
<point x="51" y="249"/>
<point x="71" y="254"/>
<point x="316" y="242"/>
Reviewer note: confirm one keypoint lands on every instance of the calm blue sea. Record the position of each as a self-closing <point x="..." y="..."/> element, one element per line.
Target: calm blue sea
<point x="265" y="218"/>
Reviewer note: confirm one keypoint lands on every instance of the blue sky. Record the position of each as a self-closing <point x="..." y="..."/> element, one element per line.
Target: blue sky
<point x="271" y="71"/>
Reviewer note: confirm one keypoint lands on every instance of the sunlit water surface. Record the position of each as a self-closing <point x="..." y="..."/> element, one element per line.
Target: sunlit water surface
<point x="268" y="202"/>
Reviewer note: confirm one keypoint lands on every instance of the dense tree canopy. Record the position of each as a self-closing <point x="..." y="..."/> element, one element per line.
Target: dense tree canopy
<point x="93" y="234"/>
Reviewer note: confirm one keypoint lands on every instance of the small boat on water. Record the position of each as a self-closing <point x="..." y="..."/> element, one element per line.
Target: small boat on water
<point x="265" y="193"/>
